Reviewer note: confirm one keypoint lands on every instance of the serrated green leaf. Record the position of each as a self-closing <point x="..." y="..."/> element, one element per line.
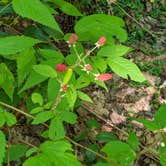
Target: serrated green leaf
<point x="53" y="89"/>
<point x="33" y="79"/>
<point x="38" y="160"/>
<point x="31" y="151"/>
<point x="43" y="117"/>
<point x="60" y="132"/>
<point x="120" y="152"/>
<point x="91" y="28"/>
<point x="69" y="117"/>
<point x="99" y="63"/>
<point x="59" y="153"/>
<point x="67" y="7"/>
<point x="159" y="117"/>
<point x="84" y="96"/>
<point x="52" y="129"/>
<point x="2" y="119"/>
<point x="124" y="68"/>
<point x="25" y="61"/>
<point x="37" y="98"/>
<point x="6" y="80"/>
<point x="133" y="140"/>
<point x="71" y="96"/>
<point x="36" y="110"/>
<point x="82" y="82"/>
<point x="92" y="123"/>
<point x="106" y="137"/>
<point x="113" y="51"/>
<point x="45" y="70"/>
<point x="2" y="147"/>
<point x="10" y="119"/>
<point x="36" y="11"/>
<point x="14" y="44"/>
<point x="15" y="152"/>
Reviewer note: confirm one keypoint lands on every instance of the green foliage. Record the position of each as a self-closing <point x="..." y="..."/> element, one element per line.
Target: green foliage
<point x="91" y="28"/>
<point x="14" y="44"/>
<point x="28" y="74"/>
<point x="120" y="152"/>
<point x="2" y="147"/>
<point x="54" y="153"/>
<point x="106" y="137"/>
<point x="6" y="117"/>
<point x="15" y="152"/>
<point x="36" y="11"/>
<point x="159" y="121"/>
<point x="6" y="80"/>
<point x="66" y="7"/>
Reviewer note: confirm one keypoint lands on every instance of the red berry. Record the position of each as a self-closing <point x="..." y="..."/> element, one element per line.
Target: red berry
<point x="73" y="38"/>
<point x="88" y="67"/>
<point x="61" y="67"/>
<point x="104" y="77"/>
<point x="64" y="87"/>
<point x="101" y="41"/>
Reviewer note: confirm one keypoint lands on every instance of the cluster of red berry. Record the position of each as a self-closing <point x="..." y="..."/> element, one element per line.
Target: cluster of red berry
<point x="87" y="67"/>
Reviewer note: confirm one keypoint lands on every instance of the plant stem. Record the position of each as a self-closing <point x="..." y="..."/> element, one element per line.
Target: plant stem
<point x="5" y="7"/>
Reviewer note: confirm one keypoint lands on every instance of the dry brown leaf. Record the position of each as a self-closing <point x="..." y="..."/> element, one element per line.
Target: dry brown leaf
<point x="116" y="118"/>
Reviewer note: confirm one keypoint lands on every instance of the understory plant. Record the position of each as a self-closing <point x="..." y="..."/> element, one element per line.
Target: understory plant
<point x="45" y="70"/>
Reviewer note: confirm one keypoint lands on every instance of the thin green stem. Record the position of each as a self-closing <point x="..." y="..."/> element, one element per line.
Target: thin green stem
<point x="5" y="7"/>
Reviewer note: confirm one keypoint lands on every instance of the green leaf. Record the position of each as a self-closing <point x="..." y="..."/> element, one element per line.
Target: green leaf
<point x="33" y="79"/>
<point x="66" y="7"/>
<point x="37" y="98"/>
<point x="106" y="137"/>
<point x="82" y="82"/>
<point x="43" y="117"/>
<point x="45" y="70"/>
<point x="38" y="160"/>
<point x="2" y="147"/>
<point x="60" y="132"/>
<point x="68" y="117"/>
<point x="92" y="123"/>
<point x="51" y="57"/>
<point x="36" y="11"/>
<point x="133" y="140"/>
<point x="113" y="51"/>
<point x="53" y="89"/>
<point x="6" y="80"/>
<point x="31" y="151"/>
<point x="103" y="164"/>
<point x="59" y="153"/>
<point x="119" y="151"/>
<point x="71" y="96"/>
<point x="2" y="119"/>
<point x="52" y="129"/>
<point x="159" y="117"/>
<point x="15" y="152"/>
<point x="84" y="96"/>
<point x="159" y="121"/>
<point x="99" y="63"/>
<point x="10" y="119"/>
<point x="124" y="68"/>
<point x="14" y="44"/>
<point x="91" y="28"/>
<point x="25" y="61"/>
<point x="36" y="110"/>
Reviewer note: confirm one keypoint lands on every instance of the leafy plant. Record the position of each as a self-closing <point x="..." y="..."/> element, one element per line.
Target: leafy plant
<point x="35" y="71"/>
